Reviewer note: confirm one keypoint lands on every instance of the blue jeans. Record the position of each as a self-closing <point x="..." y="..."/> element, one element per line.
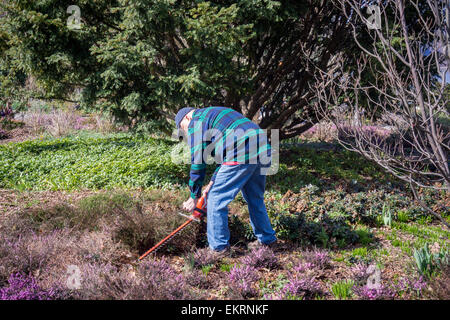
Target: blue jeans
<point x="229" y="181"/>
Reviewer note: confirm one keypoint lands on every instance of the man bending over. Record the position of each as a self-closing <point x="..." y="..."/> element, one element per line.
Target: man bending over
<point x="241" y="166"/>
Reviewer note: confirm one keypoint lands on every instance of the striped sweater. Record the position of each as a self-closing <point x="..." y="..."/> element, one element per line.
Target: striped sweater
<point x="226" y="136"/>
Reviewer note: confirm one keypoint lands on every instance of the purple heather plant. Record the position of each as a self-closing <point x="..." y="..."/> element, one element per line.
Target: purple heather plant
<point x="80" y="123"/>
<point x="203" y="257"/>
<point x="161" y="276"/>
<point x="318" y="258"/>
<point x="23" y="287"/>
<point x="302" y="267"/>
<point x="298" y="288"/>
<point x="415" y="285"/>
<point x="29" y="252"/>
<point x="242" y="279"/>
<point x="152" y="280"/>
<point x="262" y="257"/>
<point x="359" y="271"/>
<point x="196" y="278"/>
<point x="380" y="293"/>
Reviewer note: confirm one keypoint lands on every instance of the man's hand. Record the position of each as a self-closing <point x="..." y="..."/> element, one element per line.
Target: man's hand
<point x="207" y="188"/>
<point x="189" y="204"/>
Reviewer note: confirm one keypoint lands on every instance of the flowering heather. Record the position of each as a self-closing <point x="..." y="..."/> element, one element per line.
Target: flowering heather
<point x="23" y="287"/>
<point x="319" y="258"/>
<point x="416" y="285"/>
<point x="197" y="278"/>
<point x="152" y="280"/>
<point x="203" y="257"/>
<point x="29" y="252"/>
<point x="262" y="257"/>
<point x="359" y="272"/>
<point x="297" y="288"/>
<point x="302" y="267"/>
<point x="242" y="280"/>
<point x="381" y="293"/>
<point x="160" y="276"/>
<point x="80" y="123"/>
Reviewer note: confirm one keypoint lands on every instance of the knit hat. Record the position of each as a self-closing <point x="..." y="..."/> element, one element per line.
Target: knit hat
<point x="180" y="115"/>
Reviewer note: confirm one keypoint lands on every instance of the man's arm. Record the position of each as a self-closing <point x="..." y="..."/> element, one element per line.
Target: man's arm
<point x="198" y="170"/>
<point x="196" y="179"/>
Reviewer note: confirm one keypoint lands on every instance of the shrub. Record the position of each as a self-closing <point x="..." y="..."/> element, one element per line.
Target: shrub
<point x="242" y="280"/>
<point x="61" y="122"/>
<point x="367" y="293"/>
<point x="318" y="258"/>
<point x="411" y="285"/>
<point x="303" y="267"/>
<point x="134" y="228"/>
<point x="202" y="257"/>
<point x="94" y="207"/>
<point x="297" y="288"/>
<point x="160" y="276"/>
<point x="287" y="226"/>
<point x="23" y="287"/>
<point x="29" y="253"/>
<point x="152" y="280"/>
<point x="262" y="257"/>
<point x="240" y="232"/>
<point x="300" y="283"/>
<point x="197" y="278"/>
<point x="141" y="230"/>
<point x="359" y="271"/>
<point x="364" y="236"/>
<point x="49" y="218"/>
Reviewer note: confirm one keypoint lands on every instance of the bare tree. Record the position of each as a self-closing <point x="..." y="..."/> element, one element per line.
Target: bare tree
<point x="400" y="79"/>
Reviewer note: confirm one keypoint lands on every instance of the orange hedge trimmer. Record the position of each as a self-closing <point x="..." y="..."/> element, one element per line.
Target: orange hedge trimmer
<point x="199" y="213"/>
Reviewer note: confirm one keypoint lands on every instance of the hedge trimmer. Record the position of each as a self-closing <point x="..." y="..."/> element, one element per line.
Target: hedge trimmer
<point x="198" y="214"/>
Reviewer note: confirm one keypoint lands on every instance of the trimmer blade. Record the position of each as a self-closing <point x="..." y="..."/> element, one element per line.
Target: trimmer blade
<point x="191" y="217"/>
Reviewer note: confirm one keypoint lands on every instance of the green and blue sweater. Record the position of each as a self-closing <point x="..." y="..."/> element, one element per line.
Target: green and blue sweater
<point x="228" y="137"/>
